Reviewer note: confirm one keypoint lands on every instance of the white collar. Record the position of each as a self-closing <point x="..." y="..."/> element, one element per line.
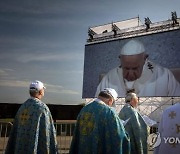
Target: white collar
<point x="99" y="101"/>
<point x="34" y="98"/>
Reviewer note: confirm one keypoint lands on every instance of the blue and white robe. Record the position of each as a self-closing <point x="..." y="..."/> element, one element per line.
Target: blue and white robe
<point x="99" y="131"/>
<point x="136" y="128"/>
<point x="33" y="130"/>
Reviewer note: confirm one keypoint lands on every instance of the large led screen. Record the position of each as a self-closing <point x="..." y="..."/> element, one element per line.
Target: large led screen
<point x="163" y="49"/>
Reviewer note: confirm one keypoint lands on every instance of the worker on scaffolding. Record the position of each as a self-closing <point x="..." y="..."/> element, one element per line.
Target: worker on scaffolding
<point x="174" y="18"/>
<point x="147" y="23"/>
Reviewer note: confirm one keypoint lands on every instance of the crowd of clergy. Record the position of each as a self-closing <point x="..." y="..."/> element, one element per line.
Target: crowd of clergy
<point x="99" y="128"/>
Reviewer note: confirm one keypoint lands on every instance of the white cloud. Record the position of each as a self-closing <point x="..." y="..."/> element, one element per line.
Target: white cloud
<point x="25" y="84"/>
<point x="30" y="57"/>
<point x="72" y="72"/>
<point x="59" y="89"/>
<point x="42" y="57"/>
<point x="5" y="72"/>
<point x="41" y="50"/>
<point x="48" y="13"/>
<point x="13" y="83"/>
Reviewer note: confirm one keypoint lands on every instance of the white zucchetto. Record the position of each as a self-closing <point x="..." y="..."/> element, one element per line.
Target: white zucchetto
<point x="132" y="47"/>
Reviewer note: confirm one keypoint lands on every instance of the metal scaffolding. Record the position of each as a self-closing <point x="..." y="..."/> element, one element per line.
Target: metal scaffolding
<point x="135" y="31"/>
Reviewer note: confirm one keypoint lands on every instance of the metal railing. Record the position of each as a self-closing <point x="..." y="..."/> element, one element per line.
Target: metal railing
<point x="135" y="31"/>
<point x="64" y="130"/>
<point x="5" y="128"/>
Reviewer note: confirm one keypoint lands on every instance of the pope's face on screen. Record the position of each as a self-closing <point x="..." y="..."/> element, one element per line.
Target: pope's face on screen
<point x="132" y="66"/>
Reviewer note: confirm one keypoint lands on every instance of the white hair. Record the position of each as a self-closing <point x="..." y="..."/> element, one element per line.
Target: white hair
<point x="129" y="97"/>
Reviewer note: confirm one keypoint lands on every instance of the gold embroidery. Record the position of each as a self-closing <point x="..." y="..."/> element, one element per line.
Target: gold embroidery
<point x="24" y="116"/>
<point x="86" y="124"/>
<point x="172" y="114"/>
<point x="177" y="128"/>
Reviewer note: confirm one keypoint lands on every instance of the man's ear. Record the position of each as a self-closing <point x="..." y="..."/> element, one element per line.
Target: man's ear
<point x="40" y="92"/>
<point x="111" y="101"/>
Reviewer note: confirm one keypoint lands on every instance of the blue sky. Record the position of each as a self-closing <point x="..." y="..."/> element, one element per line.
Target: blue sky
<point x="45" y="40"/>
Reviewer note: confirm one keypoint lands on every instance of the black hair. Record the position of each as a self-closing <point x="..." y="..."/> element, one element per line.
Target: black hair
<point x="105" y="95"/>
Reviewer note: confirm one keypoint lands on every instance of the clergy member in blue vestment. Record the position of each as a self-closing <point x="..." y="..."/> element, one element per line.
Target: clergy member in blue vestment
<point x="98" y="129"/>
<point x="136" y="126"/>
<point x="33" y="129"/>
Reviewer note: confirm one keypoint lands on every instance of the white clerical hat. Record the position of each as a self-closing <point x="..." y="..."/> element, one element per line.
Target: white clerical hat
<point x="36" y="85"/>
<point x="132" y="47"/>
<point x="112" y="92"/>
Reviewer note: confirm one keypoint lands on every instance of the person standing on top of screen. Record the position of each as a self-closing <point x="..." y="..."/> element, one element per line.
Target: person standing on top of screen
<point x="138" y="74"/>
